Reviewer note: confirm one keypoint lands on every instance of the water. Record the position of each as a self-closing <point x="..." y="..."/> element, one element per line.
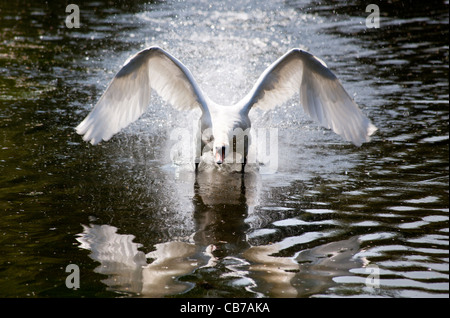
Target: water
<point x="334" y="220"/>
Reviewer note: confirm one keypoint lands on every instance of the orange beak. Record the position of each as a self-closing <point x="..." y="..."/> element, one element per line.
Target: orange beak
<point x="220" y="156"/>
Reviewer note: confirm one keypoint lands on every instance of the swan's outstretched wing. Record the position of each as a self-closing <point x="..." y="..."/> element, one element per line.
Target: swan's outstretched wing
<point x="128" y="94"/>
<point x="321" y="95"/>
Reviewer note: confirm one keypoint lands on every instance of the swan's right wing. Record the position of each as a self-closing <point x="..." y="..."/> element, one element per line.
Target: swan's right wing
<point x="321" y="95"/>
<point x="128" y="95"/>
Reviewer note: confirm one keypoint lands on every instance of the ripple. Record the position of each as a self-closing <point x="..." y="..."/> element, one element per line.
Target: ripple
<point x="403" y="208"/>
<point x="413" y="225"/>
<point x="302" y="239"/>
<point x="427" y="199"/>
<point x="260" y="232"/>
<point x="377" y="236"/>
<point x="434" y="139"/>
<point x="367" y="224"/>
<point x="434" y="239"/>
<point x="319" y="211"/>
<point x="295" y="222"/>
<point x="394" y="283"/>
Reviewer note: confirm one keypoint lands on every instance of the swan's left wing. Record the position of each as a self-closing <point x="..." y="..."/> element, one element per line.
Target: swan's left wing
<point x="321" y="95"/>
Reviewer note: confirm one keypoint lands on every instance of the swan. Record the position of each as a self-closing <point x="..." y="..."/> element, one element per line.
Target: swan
<point x="322" y="96"/>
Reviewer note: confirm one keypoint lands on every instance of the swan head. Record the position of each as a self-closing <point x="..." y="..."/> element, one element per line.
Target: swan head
<point x="229" y="124"/>
<point x="222" y="130"/>
<point x="219" y="154"/>
<point x="220" y="150"/>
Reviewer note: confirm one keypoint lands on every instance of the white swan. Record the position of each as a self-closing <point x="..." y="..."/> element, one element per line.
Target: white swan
<point x="321" y="95"/>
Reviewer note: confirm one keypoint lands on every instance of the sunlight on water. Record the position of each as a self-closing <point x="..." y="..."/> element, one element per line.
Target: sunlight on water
<point x="137" y="219"/>
<point x="233" y="51"/>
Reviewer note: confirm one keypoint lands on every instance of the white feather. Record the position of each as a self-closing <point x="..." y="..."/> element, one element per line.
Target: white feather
<point x="128" y="95"/>
<point x="321" y="95"/>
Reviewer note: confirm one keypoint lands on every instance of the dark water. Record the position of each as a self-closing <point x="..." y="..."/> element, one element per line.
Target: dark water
<point x="334" y="220"/>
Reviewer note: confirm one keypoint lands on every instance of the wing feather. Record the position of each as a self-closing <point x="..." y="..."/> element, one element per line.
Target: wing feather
<point x="128" y="95"/>
<point x="322" y="96"/>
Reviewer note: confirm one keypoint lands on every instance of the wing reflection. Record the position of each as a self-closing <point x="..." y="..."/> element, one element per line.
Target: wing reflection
<point x="127" y="267"/>
<point x="320" y="265"/>
<point x="276" y="273"/>
<point x="119" y="257"/>
<point x="221" y="202"/>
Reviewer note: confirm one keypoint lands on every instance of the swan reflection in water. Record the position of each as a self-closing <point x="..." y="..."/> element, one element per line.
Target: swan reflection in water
<point x="221" y="202"/>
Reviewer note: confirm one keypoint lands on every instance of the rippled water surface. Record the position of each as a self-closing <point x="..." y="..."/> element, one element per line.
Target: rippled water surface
<point x="333" y="220"/>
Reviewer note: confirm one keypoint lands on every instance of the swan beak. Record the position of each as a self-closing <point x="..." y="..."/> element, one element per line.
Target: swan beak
<point x="220" y="156"/>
